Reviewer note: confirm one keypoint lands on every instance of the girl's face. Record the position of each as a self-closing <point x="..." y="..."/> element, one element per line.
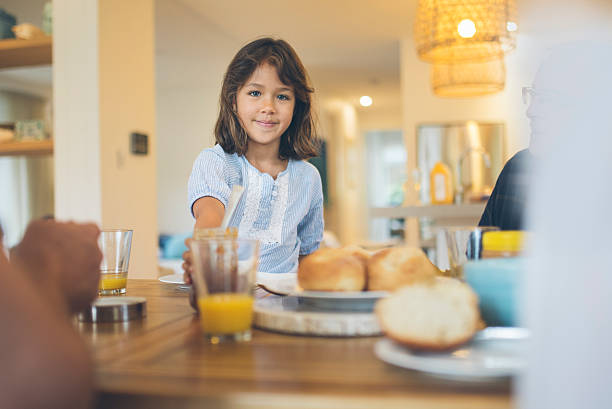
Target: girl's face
<point x="265" y="106"/>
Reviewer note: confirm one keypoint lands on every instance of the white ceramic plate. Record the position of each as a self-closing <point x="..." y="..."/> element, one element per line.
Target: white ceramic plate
<point x="280" y="284"/>
<point x="340" y="300"/>
<point x="494" y="352"/>
<point x="173" y="279"/>
<point x="340" y="295"/>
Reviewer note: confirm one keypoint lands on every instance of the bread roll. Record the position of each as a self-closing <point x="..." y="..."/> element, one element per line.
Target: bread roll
<point x="438" y="315"/>
<point x="362" y="254"/>
<point x="391" y="268"/>
<point x="332" y="269"/>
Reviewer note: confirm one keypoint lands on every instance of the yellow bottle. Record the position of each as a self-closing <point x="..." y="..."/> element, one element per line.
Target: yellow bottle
<point x="441" y="184"/>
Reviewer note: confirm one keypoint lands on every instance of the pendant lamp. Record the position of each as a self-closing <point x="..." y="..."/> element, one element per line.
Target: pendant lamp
<point x="468" y="79"/>
<point x="454" y="31"/>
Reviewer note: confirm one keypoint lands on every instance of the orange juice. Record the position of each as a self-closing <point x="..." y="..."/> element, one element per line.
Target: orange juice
<point x="112" y="283"/>
<point x="226" y="313"/>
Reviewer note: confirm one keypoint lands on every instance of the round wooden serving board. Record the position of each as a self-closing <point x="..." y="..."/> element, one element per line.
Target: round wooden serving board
<point x="288" y="315"/>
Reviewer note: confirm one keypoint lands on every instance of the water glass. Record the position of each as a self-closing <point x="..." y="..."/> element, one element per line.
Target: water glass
<point x="464" y="243"/>
<point x="224" y="272"/>
<point x="115" y="246"/>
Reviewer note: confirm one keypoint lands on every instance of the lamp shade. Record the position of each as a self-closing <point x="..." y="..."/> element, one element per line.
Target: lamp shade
<point x="453" y="31"/>
<point x="468" y="79"/>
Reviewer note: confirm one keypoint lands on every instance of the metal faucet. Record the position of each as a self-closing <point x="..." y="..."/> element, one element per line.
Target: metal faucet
<point x="487" y="161"/>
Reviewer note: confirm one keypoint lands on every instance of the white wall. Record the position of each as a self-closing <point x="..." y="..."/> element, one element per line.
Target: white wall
<point x="126" y="58"/>
<point x="191" y="57"/>
<point x="103" y="53"/>
<point x="345" y="215"/>
<point x="371" y="118"/>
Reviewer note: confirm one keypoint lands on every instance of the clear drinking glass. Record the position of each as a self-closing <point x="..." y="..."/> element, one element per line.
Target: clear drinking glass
<point x="224" y="273"/>
<point x="215" y="233"/>
<point x="464" y="243"/>
<point x="115" y="246"/>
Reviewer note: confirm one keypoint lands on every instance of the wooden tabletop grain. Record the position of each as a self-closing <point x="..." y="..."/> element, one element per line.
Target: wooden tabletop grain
<point x="163" y="361"/>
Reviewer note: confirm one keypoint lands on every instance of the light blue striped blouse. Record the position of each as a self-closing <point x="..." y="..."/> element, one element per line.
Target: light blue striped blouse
<point x="285" y="215"/>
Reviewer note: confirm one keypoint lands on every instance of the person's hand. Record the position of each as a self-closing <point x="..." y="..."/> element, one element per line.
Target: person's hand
<point x="62" y="255"/>
<point x="187" y="271"/>
<point x="187" y="263"/>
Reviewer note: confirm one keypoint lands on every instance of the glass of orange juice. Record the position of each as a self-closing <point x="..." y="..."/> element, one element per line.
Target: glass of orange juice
<point x="224" y="277"/>
<point x="115" y="246"/>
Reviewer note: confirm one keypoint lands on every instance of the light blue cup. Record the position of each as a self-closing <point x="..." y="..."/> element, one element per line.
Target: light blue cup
<point x="496" y="281"/>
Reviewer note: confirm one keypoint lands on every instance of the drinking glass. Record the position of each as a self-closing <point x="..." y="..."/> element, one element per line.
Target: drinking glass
<point x="215" y="233"/>
<point x="115" y="246"/>
<point x="464" y="243"/>
<point x="224" y="273"/>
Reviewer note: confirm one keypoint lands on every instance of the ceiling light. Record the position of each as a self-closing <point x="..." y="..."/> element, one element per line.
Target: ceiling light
<point x="511" y="26"/>
<point x="365" y="101"/>
<point x="466" y="28"/>
<point x="455" y="31"/>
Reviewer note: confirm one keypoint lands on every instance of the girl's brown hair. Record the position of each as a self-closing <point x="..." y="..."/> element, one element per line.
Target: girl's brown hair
<point x="298" y="141"/>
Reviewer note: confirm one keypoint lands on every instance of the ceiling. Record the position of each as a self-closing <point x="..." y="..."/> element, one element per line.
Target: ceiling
<point x="338" y="33"/>
<point x="350" y="47"/>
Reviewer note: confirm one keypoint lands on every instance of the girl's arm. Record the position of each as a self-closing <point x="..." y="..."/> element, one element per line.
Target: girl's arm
<point x="208" y="212"/>
<point x="310" y="229"/>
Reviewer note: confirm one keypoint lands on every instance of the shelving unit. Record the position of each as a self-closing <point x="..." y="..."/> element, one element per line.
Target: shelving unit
<point x="16" y="53"/>
<point x="466" y="210"/>
<point x="29" y="148"/>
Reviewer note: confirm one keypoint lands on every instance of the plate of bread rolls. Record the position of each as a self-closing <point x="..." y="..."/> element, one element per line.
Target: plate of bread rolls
<point x="352" y="278"/>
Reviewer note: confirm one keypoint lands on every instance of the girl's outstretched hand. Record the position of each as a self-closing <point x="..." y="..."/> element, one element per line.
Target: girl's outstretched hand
<point x="187" y="271"/>
<point x="187" y="263"/>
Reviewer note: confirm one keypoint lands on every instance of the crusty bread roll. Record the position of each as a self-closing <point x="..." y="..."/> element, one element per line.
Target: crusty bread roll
<point x="362" y="254"/>
<point x="435" y="315"/>
<point x="332" y="269"/>
<point x="391" y="268"/>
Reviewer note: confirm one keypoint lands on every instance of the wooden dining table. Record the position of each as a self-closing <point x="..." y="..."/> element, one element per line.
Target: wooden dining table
<point x="164" y="361"/>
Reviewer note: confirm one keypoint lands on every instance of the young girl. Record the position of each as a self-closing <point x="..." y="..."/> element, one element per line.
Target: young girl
<point x="264" y="132"/>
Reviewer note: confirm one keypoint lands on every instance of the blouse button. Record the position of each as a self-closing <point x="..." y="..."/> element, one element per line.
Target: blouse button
<point x="274" y="193"/>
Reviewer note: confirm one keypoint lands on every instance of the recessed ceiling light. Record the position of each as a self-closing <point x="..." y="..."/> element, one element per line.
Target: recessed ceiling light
<point x="365" y="101"/>
<point x="511" y="26"/>
<point x="466" y="28"/>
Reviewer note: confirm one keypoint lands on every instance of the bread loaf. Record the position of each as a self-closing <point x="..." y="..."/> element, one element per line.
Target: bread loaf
<point x="435" y="315"/>
<point x="332" y="269"/>
<point x="391" y="268"/>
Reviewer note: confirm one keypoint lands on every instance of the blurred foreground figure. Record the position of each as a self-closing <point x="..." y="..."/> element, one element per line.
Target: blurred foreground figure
<point x="568" y="294"/>
<point x="51" y="274"/>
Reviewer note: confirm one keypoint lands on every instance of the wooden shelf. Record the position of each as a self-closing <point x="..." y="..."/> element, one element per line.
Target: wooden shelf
<point x="29" y="148"/>
<point x="438" y="211"/>
<point x="23" y="53"/>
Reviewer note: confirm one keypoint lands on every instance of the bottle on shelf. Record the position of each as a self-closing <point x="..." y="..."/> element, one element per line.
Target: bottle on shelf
<point x="441" y="184"/>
